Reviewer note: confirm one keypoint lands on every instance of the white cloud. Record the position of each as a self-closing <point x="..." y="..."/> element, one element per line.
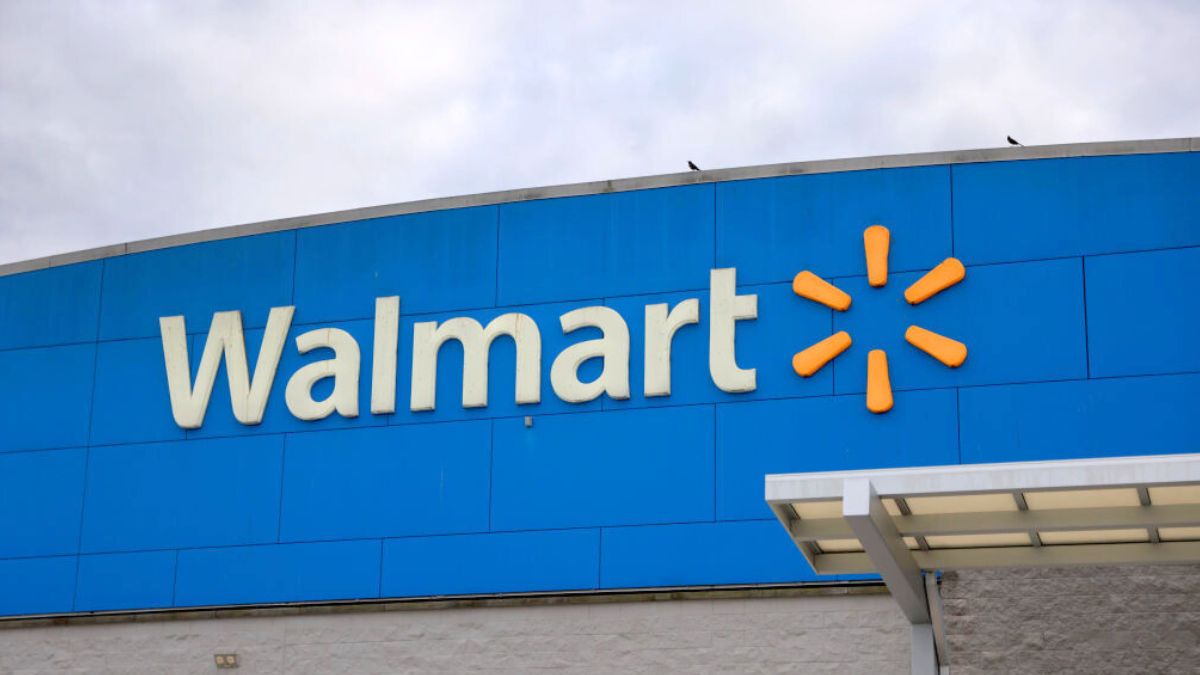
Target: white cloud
<point x="126" y="120"/>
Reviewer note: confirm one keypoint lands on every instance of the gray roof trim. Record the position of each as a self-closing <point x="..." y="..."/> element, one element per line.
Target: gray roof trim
<point x="1169" y="145"/>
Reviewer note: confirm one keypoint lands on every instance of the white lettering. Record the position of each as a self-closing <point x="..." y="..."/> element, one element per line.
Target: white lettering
<point x="613" y="347"/>
<point x="660" y="331"/>
<point x="727" y="309"/>
<point x="249" y="390"/>
<point x="343" y="368"/>
<point x="248" y="394"/>
<point x="383" y="363"/>
<point x="428" y="337"/>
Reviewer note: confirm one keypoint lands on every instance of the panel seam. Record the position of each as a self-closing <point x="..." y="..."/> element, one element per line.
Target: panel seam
<point x="465" y="420"/>
<point x="599" y="557"/>
<point x="958" y="420"/>
<point x="715" y="464"/>
<point x="282" y="476"/>
<point x="496" y="288"/>
<point x="175" y="581"/>
<point x="491" y="471"/>
<point x="715" y="226"/>
<point x="87" y="452"/>
<point x="379" y="586"/>
<point x="953" y="246"/>
<point x="1087" y="347"/>
<point x="295" y="262"/>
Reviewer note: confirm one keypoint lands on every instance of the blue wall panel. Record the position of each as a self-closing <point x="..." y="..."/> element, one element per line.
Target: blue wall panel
<point x="505" y="562"/>
<point x="251" y="274"/>
<point x="421" y="479"/>
<point x="1094" y="418"/>
<point x="37" y="585"/>
<point x="131" y="401"/>
<point x="49" y="307"/>
<point x="1020" y="322"/>
<point x="1005" y="211"/>
<point x="603" y="245"/>
<point x="700" y="554"/>
<point x="434" y="261"/>
<point x="208" y="492"/>
<point x="613" y="468"/>
<point x="41" y="494"/>
<point x="772" y="228"/>
<point x="1141" y="312"/>
<point x="95" y="477"/>
<point x="333" y="570"/>
<point x="44" y="397"/>
<point x="125" y="581"/>
<point x="830" y="433"/>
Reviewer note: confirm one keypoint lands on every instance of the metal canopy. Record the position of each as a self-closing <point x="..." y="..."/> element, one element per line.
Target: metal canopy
<point x="902" y="523"/>
<point x="1072" y="512"/>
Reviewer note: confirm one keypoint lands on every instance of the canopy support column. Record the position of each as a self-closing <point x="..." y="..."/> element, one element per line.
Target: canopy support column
<point x="867" y="517"/>
<point x="874" y="528"/>
<point x="937" y="619"/>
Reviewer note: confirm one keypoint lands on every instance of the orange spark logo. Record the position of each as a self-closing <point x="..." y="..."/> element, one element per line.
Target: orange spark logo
<point x="876" y="241"/>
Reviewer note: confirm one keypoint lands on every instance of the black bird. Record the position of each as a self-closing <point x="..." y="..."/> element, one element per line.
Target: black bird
<point x="692" y="166"/>
<point x="1013" y="141"/>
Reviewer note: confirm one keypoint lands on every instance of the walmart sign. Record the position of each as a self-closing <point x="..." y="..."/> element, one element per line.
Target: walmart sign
<point x="248" y="391"/>
<point x="302" y="412"/>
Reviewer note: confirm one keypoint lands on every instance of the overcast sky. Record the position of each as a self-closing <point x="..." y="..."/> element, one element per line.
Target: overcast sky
<point x="127" y="120"/>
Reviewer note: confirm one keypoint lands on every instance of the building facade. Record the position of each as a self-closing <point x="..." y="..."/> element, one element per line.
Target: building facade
<point x="529" y="430"/>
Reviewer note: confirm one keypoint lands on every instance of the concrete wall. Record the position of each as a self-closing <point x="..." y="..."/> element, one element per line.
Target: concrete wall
<point x="1086" y="620"/>
<point x="825" y="633"/>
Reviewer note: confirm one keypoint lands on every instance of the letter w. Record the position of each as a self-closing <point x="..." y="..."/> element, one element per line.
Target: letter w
<point x="247" y="393"/>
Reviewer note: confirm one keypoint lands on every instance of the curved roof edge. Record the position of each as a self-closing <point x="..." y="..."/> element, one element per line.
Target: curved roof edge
<point x="1137" y="147"/>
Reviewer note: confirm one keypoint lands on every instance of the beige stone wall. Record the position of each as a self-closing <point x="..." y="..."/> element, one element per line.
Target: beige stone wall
<point x="706" y="633"/>
<point x="1090" y="620"/>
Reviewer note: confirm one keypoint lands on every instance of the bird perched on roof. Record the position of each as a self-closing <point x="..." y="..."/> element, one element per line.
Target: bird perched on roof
<point x="692" y="166"/>
<point x="1013" y="141"/>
